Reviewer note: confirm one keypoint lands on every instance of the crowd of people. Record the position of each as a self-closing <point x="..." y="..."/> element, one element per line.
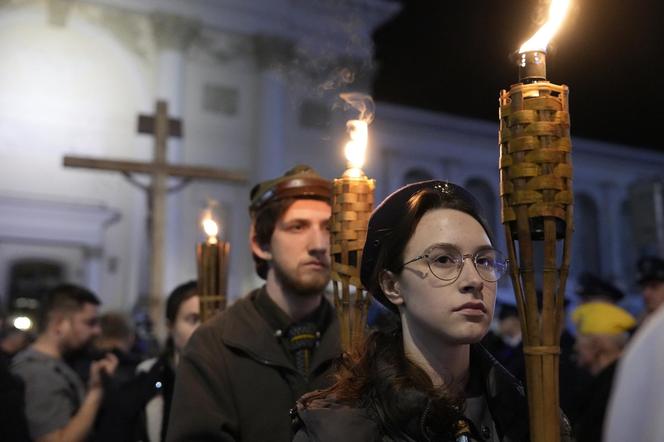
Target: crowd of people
<point x="435" y="365"/>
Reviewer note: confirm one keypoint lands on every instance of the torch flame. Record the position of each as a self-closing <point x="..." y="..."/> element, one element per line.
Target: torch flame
<point x="211" y="229"/>
<point x="540" y="40"/>
<point x="357" y="146"/>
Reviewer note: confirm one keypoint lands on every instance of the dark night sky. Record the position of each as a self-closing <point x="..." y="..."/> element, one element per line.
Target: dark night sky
<point x="454" y="57"/>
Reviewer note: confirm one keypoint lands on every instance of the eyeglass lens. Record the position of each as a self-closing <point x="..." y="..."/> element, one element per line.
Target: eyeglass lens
<point x="446" y="262"/>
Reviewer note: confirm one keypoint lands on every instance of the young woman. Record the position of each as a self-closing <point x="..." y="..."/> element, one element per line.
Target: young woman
<point x="429" y="258"/>
<point x="137" y="410"/>
<point x="182" y="319"/>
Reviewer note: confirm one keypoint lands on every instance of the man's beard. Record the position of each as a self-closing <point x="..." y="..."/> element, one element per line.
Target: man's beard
<point x="87" y="350"/>
<point x="302" y="286"/>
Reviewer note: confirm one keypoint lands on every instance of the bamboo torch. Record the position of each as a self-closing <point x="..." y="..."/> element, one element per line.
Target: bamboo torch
<point x="536" y="196"/>
<point x="212" y="259"/>
<point x="351" y="207"/>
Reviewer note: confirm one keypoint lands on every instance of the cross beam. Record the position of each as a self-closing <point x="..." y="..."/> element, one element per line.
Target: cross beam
<point x="197" y="172"/>
<point x="162" y="127"/>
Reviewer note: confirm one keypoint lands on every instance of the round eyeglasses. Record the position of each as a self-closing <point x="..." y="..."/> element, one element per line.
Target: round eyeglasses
<point x="446" y="262"/>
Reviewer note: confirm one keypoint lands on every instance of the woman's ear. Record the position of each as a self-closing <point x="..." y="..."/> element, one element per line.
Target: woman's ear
<point x="262" y="251"/>
<point x="390" y="287"/>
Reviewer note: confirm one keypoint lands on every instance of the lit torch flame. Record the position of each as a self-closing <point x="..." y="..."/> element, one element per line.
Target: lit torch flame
<point x="356" y="147"/>
<point x="539" y="41"/>
<point x="358" y="132"/>
<point x="211" y="229"/>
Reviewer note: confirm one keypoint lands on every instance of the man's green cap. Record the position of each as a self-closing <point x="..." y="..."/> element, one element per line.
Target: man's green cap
<point x="300" y="182"/>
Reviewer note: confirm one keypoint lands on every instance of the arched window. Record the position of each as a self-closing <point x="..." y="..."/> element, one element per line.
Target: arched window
<point x="30" y="280"/>
<point x="585" y="246"/>
<point x="415" y="175"/>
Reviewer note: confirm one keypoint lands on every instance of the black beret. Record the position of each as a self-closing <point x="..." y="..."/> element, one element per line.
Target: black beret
<point x="386" y="217"/>
<point x="650" y="268"/>
<point x="299" y="182"/>
<point x="589" y="285"/>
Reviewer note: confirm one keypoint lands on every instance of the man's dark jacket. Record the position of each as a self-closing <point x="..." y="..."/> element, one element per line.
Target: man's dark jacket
<point x="236" y="383"/>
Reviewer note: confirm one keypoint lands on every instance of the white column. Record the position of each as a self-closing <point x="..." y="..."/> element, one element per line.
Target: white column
<point x="93" y="269"/>
<point x="271" y="130"/>
<point x="272" y="58"/>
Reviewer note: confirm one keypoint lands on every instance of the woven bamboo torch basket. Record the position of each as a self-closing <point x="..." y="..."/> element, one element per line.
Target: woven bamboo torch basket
<point x="352" y="204"/>
<point x="537" y="211"/>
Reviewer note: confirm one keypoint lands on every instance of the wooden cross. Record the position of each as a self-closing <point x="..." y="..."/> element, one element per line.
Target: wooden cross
<point x="162" y="127"/>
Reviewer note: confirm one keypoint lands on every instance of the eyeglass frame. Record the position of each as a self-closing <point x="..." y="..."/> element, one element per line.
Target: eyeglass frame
<point x="473" y="257"/>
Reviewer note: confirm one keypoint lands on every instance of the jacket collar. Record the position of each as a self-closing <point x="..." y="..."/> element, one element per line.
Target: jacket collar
<point x="246" y="330"/>
<point x="504" y="394"/>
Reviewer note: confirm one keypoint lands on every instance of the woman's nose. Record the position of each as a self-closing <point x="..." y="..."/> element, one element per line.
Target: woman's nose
<point x="470" y="279"/>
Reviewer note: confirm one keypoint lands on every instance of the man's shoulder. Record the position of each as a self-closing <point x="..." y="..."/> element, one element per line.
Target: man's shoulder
<point x="31" y="361"/>
<point x="30" y="354"/>
<point x="241" y="307"/>
<point x="45" y="375"/>
<point x="239" y="316"/>
<point x="241" y="310"/>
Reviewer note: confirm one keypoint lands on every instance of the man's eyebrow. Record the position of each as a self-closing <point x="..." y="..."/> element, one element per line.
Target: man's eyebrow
<point x="296" y="220"/>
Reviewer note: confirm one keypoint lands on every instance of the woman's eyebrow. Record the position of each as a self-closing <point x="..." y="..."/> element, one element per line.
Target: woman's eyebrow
<point x="442" y="244"/>
<point x="446" y="244"/>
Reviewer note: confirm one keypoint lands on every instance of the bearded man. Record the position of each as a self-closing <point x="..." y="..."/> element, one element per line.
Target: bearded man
<point x="58" y="406"/>
<point x="243" y="370"/>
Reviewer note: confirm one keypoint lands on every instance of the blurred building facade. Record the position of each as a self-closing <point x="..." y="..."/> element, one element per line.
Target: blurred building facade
<point x="256" y="85"/>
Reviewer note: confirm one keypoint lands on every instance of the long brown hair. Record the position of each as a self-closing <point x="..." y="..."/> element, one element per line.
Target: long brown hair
<point x="398" y="393"/>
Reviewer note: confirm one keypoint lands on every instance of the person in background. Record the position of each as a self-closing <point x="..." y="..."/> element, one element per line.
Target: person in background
<point x="58" y="406"/>
<point x="243" y="370"/>
<point x="603" y="330"/>
<point x="13" y="425"/>
<point x="138" y="410"/>
<point x="597" y="296"/>
<point x="117" y="336"/>
<point x="573" y="379"/>
<point x="12" y="341"/>
<point x="650" y="276"/>
<point x="592" y="289"/>
<point x="505" y="343"/>
<point x="637" y="399"/>
<point x="182" y="319"/>
<point x="146" y="343"/>
<point x="429" y="258"/>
